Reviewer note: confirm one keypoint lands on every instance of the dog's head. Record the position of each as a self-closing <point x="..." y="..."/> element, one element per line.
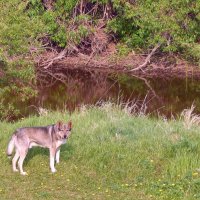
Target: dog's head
<point x="63" y="130"/>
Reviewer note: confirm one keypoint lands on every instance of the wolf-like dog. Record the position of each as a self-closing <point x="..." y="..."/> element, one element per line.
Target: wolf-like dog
<point x="51" y="137"/>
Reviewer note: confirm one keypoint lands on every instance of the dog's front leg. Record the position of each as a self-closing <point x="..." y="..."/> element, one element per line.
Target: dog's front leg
<point x="58" y="156"/>
<point x="52" y="160"/>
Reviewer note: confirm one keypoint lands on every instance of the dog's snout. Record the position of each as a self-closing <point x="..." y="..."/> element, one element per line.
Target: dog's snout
<point x="65" y="136"/>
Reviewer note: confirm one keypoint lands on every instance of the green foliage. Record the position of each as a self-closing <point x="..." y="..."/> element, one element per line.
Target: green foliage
<point x="17" y="83"/>
<point x="64" y="8"/>
<point x="18" y="34"/>
<point x="146" y="23"/>
<point x="192" y="52"/>
<point x="122" y="49"/>
<point x="17" y="30"/>
<point x="139" y="24"/>
<point x="58" y="21"/>
<point x="35" y="8"/>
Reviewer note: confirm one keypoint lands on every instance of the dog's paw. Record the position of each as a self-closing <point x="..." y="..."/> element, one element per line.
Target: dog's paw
<point x="53" y="170"/>
<point x="24" y="173"/>
<point x="15" y="170"/>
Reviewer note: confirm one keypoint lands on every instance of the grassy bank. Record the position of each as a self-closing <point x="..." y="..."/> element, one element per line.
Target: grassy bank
<point x="110" y="155"/>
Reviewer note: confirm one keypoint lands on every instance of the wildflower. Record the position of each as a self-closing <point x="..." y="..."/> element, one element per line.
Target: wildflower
<point x="173" y="184"/>
<point x="195" y="174"/>
<point x="127" y="184"/>
<point x="99" y="188"/>
<point x="151" y="161"/>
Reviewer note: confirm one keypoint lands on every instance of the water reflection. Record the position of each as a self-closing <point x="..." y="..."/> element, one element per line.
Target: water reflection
<point x="166" y="97"/>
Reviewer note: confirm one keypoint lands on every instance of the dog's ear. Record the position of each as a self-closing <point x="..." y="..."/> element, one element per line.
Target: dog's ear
<point x="69" y="125"/>
<point x="59" y="125"/>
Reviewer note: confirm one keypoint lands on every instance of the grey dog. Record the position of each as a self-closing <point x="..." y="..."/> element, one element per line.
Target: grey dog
<point x="51" y="137"/>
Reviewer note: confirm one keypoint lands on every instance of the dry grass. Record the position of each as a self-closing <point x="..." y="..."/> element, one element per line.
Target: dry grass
<point x="189" y="118"/>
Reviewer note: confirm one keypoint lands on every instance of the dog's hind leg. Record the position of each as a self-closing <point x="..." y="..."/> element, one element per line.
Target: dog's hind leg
<point x="14" y="161"/>
<point x="21" y="160"/>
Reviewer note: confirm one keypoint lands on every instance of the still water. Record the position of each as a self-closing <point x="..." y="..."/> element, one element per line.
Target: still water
<point x="160" y="96"/>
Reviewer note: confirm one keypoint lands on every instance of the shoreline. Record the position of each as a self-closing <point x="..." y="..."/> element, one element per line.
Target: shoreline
<point x="109" y="64"/>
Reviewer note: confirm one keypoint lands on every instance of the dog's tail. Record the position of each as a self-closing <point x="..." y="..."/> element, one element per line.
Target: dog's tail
<point x="11" y="145"/>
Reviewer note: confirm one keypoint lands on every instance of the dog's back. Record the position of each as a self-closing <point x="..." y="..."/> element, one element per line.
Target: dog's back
<point x="25" y="136"/>
<point x="41" y="135"/>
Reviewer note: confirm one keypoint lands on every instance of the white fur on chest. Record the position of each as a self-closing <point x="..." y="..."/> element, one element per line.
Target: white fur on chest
<point x="60" y="142"/>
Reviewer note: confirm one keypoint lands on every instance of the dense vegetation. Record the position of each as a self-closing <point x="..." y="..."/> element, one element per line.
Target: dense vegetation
<point x="28" y="28"/>
<point x="110" y="155"/>
<point x="136" y="24"/>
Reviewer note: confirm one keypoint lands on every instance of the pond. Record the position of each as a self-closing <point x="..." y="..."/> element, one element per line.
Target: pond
<point x="166" y="97"/>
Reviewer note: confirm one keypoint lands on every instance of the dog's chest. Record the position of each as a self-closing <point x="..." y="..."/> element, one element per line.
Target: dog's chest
<point x="60" y="142"/>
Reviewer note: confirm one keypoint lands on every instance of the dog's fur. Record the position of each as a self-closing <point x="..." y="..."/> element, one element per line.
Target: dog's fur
<point x="51" y="137"/>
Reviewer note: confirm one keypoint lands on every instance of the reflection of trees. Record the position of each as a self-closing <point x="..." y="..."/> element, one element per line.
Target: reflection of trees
<point x="88" y="87"/>
<point x="79" y="87"/>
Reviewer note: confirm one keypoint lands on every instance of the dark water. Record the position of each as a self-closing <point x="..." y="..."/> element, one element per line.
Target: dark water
<point x="166" y="97"/>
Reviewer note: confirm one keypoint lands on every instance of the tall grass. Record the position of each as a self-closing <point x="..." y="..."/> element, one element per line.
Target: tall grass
<point x="190" y="118"/>
<point x="110" y="155"/>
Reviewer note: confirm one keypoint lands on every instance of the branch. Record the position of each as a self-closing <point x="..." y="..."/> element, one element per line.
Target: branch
<point x="148" y="58"/>
<point x="49" y="62"/>
<point x="148" y="85"/>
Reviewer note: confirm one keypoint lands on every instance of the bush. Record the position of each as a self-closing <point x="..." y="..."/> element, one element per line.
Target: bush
<point x="18" y="34"/>
<point x="145" y="23"/>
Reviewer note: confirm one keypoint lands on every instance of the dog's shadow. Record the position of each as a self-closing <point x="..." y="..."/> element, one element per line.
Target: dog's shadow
<point x="66" y="152"/>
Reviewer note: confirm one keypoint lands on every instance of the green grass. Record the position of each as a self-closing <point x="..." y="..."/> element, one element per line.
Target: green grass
<point x="110" y="155"/>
